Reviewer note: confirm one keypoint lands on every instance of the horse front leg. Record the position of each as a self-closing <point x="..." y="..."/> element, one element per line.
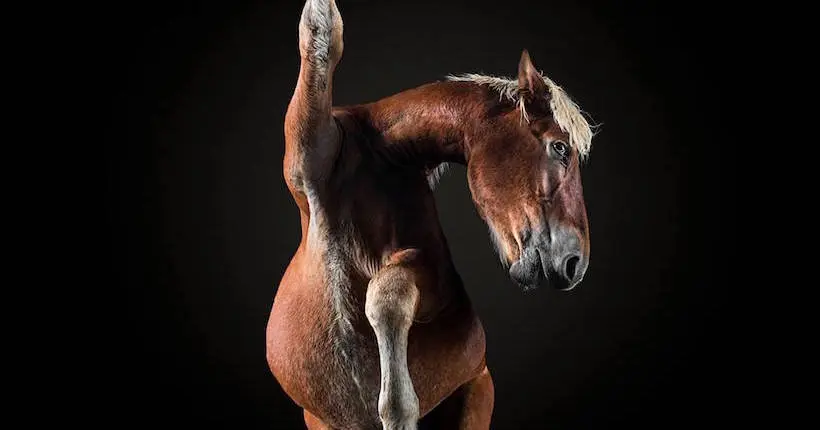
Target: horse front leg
<point x="311" y="134"/>
<point x="391" y="303"/>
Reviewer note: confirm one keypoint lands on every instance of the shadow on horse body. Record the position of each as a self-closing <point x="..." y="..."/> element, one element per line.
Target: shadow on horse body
<point x="371" y="326"/>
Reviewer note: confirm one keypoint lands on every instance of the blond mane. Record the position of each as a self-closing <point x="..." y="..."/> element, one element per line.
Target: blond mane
<point x="566" y="113"/>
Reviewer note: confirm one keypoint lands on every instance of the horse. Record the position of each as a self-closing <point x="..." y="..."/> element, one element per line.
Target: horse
<point x="371" y="325"/>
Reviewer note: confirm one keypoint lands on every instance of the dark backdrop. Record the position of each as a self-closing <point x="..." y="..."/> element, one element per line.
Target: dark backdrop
<point x="202" y="226"/>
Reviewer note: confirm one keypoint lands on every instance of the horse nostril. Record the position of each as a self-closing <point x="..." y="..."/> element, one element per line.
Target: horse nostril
<point x="570" y="266"/>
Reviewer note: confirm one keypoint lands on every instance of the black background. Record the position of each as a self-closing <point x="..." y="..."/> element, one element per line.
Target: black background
<point x="202" y="227"/>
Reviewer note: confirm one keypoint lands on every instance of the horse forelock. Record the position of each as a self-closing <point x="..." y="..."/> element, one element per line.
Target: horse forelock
<point x="566" y="113"/>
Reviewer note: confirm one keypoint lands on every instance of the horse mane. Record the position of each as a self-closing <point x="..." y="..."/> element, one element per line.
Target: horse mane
<point x="569" y="117"/>
<point x="434" y="175"/>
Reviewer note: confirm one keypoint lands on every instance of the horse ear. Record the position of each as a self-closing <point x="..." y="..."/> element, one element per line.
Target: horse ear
<point x="530" y="82"/>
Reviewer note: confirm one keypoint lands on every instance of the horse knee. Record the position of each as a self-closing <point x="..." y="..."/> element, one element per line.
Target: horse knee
<point x="391" y="299"/>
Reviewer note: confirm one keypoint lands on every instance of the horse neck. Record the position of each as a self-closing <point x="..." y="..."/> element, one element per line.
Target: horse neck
<point x="429" y="125"/>
<point x="423" y="127"/>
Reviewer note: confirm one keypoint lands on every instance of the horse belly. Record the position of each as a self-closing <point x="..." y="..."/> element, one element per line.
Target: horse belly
<point x="337" y="380"/>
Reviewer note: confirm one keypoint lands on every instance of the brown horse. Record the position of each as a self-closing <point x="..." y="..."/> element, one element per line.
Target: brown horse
<point x="371" y="325"/>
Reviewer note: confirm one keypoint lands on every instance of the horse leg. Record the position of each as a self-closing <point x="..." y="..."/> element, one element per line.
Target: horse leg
<point x="314" y="423"/>
<point x="390" y="305"/>
<point x="469" y="407"/>
<point x="309" y="124"/>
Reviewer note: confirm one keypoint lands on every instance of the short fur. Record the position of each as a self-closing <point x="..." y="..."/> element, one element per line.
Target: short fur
<point x="371" y="326"/>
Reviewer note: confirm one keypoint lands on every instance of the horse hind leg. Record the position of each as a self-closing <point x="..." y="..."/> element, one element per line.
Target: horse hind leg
<point x="392" y="299"/>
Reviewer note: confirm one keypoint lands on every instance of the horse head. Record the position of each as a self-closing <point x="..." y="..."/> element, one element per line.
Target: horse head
<point x="525" y="179"/>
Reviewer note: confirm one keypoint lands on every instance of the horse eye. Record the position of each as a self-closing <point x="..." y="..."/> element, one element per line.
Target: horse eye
<point x="560" y="148"/>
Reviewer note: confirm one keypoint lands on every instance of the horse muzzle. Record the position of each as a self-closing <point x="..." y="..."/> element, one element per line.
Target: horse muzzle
<point x="555" y="259"/>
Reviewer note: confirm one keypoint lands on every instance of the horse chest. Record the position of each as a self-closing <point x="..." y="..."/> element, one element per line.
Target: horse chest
<point x="335" y="373"/>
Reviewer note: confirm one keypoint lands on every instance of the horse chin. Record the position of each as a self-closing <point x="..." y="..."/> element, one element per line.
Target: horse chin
<point x="524" y="282"/>
<point x="527" y="272"/>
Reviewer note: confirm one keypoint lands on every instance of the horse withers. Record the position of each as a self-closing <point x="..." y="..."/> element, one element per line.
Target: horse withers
<point x="371" y="326"/>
